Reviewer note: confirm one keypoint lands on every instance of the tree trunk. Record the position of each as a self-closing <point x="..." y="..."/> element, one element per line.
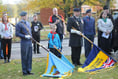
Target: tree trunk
<point x="75" y="4"/>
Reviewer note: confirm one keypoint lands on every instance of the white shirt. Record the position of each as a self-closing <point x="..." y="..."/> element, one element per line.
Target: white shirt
<point x="6" y="33"/>
<point x="105" y="26"/>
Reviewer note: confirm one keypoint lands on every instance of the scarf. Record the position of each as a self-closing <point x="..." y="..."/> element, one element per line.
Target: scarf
<point x="53" y="34"/>
<point x="105" y="20"/>
<point x="5" y="26"/>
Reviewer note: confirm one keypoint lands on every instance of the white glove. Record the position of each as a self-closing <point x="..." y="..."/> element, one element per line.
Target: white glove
<point x="75" y="31"/>
<point x="27" y="36"/>
<point x="78" y="32"/>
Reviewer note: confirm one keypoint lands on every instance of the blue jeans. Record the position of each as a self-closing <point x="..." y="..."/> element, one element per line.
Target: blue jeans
<point x="87" y="44"/>
<point x="1" y="51"/>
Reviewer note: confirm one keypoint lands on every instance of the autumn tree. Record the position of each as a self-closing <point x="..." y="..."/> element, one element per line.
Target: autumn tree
<point x="2" y="8"/>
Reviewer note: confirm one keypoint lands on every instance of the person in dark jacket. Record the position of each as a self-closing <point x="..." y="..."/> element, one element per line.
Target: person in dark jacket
<point x="89" y="31"/>
<point x="75" y="41"/>
<point x="36" y="27"/>
<point x="115" y="35"/>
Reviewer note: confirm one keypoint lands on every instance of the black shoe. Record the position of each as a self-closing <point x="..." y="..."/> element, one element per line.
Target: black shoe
<point x="29" y="73"/>
<point x="75" y="65"/>
<point x="38" y="52"/>
<point x="8" y="60"/>
<point x="79" y="64"/>
<point x="34" y="52"/>
<point x="1" y="58"/>
<point x="24" y="74"/>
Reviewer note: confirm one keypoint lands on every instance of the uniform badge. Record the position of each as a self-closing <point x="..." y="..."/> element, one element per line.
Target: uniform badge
<point x="38" y="24"/>
<point x="77" y="23"/>
<point x="82" y="21"/>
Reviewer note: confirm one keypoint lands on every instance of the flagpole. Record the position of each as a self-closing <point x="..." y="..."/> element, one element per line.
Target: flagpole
<point x="61" y="19"/>
<point x="83" y="36"/>
<point x="76" y="29"/>
<point x="34" y="39"/>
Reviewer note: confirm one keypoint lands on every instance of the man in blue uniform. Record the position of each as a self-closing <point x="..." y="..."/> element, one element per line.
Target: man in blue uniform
<point x="26" y="43"/>
<point x="89" y="31"/>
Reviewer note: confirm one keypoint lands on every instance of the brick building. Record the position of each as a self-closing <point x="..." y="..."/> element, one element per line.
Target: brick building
<point x="45" y="13"/>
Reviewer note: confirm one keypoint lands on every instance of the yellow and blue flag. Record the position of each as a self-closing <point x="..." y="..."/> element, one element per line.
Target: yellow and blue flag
<point x="57" y="67"/>
<point x="97" y="60"/>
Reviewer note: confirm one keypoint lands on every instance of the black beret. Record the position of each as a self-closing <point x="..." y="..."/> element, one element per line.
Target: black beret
<point x="88" y="11"/>
<point x="76" y="10"/>
<point x="23" y="13"/>
<point x="105" y="7"/>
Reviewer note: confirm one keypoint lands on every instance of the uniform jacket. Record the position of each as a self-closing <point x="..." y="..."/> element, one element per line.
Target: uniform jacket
<point x="21" y="30"/>
<point x="75" y="40"/>
<point x="89" y="25"/>
<point x="56" y="41"/>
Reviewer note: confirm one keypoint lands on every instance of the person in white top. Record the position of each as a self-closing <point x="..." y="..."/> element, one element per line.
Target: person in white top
<point x="6" y="32"/>
<point x="105" y="27"/>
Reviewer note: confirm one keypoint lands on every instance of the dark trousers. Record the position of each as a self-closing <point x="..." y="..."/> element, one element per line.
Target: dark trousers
<point x="4" y="44"/>
<point x="55" y="52"/>
<point x="75" y="55"/>
<point x="103" y="43"/>
<point x="26" y="56"/>
<point x="36" y="46"/>
<point x="61" y="37"/>
<point x="87" y="44"/>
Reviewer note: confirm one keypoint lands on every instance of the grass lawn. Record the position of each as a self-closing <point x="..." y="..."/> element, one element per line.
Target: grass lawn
<point x="13" y="71"/>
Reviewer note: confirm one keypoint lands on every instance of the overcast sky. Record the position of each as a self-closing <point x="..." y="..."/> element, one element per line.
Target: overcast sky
<point x="10" y="1"/>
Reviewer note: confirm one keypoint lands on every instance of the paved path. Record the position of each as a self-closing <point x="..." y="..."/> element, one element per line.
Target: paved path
<point x="66" y="49"/>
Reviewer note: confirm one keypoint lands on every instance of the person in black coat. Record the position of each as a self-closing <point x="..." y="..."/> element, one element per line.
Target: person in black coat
<point x="75" y="41"/>
<point x="36" y="27"/>
<point x="115" y="35"/>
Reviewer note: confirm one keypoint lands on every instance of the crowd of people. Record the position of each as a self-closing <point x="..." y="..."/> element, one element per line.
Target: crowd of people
<point x="107" y="35"/>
